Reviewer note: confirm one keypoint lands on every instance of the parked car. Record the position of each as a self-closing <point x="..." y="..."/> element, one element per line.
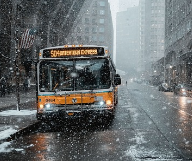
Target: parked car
<point x="183" y="90"/>
<point x="164" y="87"/>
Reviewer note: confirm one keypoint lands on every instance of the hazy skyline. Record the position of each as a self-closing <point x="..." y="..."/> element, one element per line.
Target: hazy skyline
<point x="124" y="4"/>
<point x="114" y="5"/>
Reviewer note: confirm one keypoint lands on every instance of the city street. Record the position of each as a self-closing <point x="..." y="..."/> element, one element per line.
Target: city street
<point x="149" y="125"/>
<point x="66" y="59"/>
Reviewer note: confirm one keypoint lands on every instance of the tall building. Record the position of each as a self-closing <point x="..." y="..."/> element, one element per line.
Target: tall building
<point x="5" y="35"/>
<point x="178" y="49"/>
<point x="93" y="25"/>
<point x="127" y="40"/>
<point x="124" y="4"/>
<point x="152" y="20"/>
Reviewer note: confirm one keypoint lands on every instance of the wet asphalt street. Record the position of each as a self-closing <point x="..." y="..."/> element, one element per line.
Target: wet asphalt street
<point x="149" y="125"/>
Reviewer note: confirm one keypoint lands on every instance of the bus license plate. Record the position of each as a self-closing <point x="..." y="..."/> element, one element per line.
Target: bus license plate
<point x="70" y="113"/>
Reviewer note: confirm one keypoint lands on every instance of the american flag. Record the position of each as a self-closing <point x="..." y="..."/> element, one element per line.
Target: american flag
<point x="27" y="38"/>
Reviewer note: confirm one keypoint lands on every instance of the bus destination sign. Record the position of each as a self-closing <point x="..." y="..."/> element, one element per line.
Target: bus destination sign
<point x="61" y="53"/>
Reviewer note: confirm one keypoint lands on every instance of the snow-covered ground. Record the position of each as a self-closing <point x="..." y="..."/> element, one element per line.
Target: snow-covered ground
<point x="7" y="130"/>
<point x="18" y="113"/>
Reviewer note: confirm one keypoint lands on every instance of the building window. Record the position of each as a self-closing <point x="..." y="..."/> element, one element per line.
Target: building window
<point x="94" y="21"/>
<point x="102" y="3"/>
<point x="79" y="21"/>
<point x="101" y="29"/>
<point x="86" y="20"/>
<point x="95" y="4"/>
<point x="94" y="12"/>
<point x="78" y="29"/>
<point x="86" y="39"/>
<point x="102" y="21"/>
<point x="79" y="39"/>
<point x="87" y="12"/>
<point x="94" y="38"/>
<point x="101" y="38"/>
<point x="87" y="30"/>
<point x="102" y="12"/>
<point x="94" y="30"/>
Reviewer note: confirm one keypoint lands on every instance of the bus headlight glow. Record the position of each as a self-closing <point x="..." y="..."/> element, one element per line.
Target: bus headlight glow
<point x="108" y="102"/>
<point x="183" y="90"/>
<point x="101" y="103"/>
<point x="49" y="107"/>
<point x="41" y="106"/>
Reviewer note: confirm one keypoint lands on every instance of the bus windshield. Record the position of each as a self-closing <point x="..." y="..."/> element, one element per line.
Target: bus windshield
<point x="72" y="75"/>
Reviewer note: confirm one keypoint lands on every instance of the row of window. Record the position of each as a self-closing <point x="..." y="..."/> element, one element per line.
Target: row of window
<point x="88" y="39"/>
<point x="101" y="3"/>
<point x="179" y="33"/>
<point x="157" y="26"/>
<point x="94" y="29"/>
<point x="94" y="21"/>
<point x="157" y="11"/>
<point x="95" y="12"/>
<point x="157" y="22"/>
<point x="158" y="8"/>
<point x="158" y="3"/>
<point x="178" y="13"/>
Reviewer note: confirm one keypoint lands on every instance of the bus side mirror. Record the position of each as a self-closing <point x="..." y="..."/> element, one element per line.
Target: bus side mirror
<point x="117" y="79"/>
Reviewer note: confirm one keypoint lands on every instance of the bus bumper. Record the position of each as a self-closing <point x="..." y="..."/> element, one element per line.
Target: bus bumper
<point x="73" y="114"/>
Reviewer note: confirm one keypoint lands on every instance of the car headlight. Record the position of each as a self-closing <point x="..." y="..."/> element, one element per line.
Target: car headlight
<point x="183" y="90"/>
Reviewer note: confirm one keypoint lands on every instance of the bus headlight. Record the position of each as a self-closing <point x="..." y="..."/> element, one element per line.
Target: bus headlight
<point x="101" y="103"/>
<point x="183" y="90"/>
<point x="49" y="107"/>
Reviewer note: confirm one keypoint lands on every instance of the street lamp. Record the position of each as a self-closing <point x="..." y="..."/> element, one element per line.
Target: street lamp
<point x="17" y="51"/>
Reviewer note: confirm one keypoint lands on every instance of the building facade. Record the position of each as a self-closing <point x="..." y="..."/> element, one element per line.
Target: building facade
<point x="152" y="29"/>
<point x="127" y="40"/>
<point x="93" y="25"/>
<point x="52" y="21"/>
<point x="125" y="4"/>
<point x="178" y="49"/>
<point x="6" y="10"/>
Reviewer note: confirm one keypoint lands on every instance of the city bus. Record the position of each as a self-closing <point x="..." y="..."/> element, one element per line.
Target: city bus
<point x="76" y="82"/>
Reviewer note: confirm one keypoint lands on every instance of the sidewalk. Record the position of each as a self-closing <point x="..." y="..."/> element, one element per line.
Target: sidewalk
<point x="11" y="119"/>
<point x="11" y="99"/>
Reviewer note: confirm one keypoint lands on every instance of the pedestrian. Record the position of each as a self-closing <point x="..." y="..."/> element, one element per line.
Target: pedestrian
<point x="126" y="83"/>
<point x="3" y="86"/>
<point x="25" y="84"/>
<point x="8" y="87"/>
